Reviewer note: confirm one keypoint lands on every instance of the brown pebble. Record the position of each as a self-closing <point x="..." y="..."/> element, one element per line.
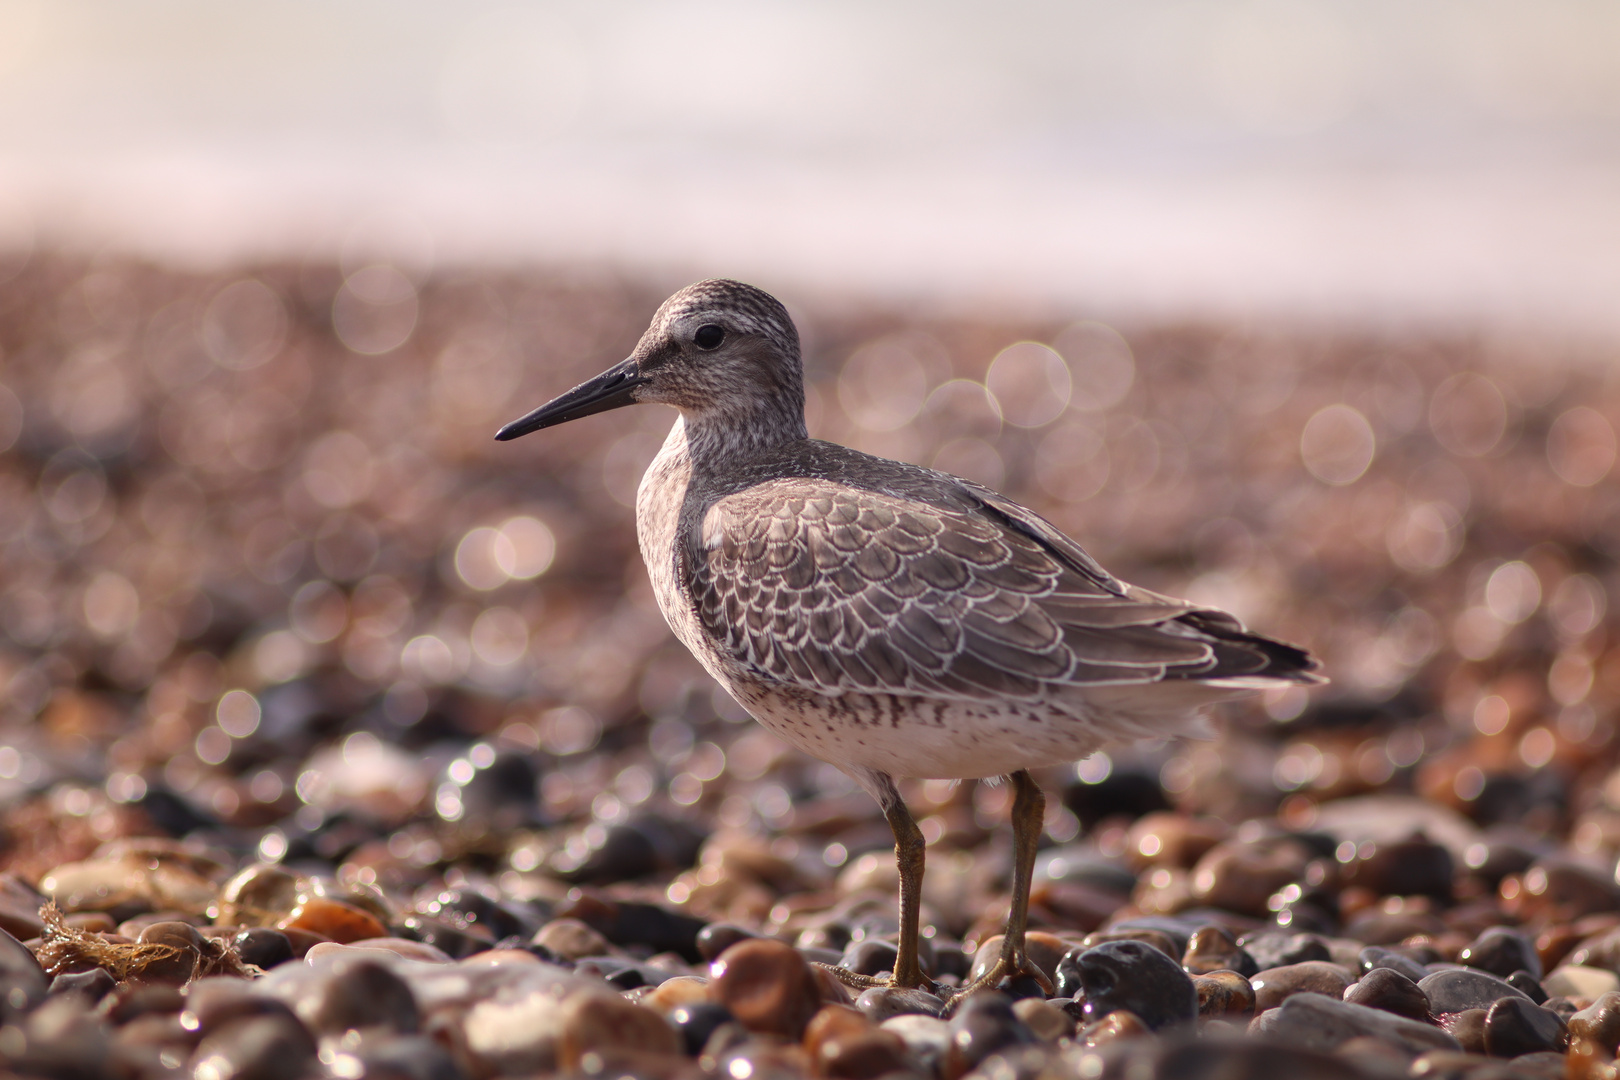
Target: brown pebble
<point x="1115" y="1026"/>
<point x="834" y="1022"/>
<point x="1468" y="1028"/>
<point x="571" y="939"/>
<point x="832" y="990"/>
<point x="1213" y="948"/>
<point x="610" y="1026"/>
<point x="1224" y="994"/>
<point x="1043" y="949"/>
<point x="1156" y="938"/>
<point x="178" y="967"/>
<point x="863" y="1056"/>
<point x="1046" y="1020"/>
<point x="1274" y="985"/>
<point x="335" y="920"/>
<point x="1599" y="1022"/>
<point x="1164" y="838"/>
<point x="673" y="993"/>
<point x="768" y="987"/>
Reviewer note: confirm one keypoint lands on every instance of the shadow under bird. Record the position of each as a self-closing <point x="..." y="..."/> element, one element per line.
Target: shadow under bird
<point x="892" y="620"/>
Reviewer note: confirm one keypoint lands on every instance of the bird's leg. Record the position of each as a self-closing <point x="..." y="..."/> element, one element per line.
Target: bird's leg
<point x="909" y="854"/>
<point x="1028" y="817"/>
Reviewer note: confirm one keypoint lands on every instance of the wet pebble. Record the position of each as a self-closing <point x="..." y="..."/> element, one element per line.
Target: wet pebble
<point x="1387" y="989"/>
<point x="1047" y="1021"/>
<point x="1376" y="956"/>
<point x="1137" y="978"/>
<point x="255" y="1048"/>
<point x="1275" y="985"/>
<point x="985" y="1024"/>
<point x="882" y="1002"/>
<point x="1599" y="1022"/>
<point x="1212" y="948"/>
<point x="1224" y="994"/>
<point x="1271" y="949"/>
<point x="333" y="919"/>
<point x="263" y="947"/>
<point x="1242" y="876"/>
<point x="1459" y="988"/>
<point x="1579" y="981"/>
<point x="1514" y="1026"/>
<point x="358" y="994"/>
<point x="1501" y="951"/>
<point x="571" y="939"/>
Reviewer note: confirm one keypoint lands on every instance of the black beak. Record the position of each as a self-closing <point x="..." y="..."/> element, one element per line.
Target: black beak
<point x="610" y="390"/>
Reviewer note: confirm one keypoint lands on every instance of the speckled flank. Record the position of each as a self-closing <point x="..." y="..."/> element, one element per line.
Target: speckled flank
<point x="888" y="618"/>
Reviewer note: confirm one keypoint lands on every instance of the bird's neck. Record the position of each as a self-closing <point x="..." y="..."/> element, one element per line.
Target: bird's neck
<point x="714" y="440"/>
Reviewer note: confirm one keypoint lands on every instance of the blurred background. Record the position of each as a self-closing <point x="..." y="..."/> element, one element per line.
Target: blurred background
<point x="1304" y="309"/>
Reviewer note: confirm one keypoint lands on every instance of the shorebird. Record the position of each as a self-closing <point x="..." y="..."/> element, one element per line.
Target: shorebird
<point x="890" y="619"/>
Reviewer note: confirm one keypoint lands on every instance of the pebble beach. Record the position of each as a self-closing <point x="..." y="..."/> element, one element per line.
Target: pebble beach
<point x="338" y="740"/>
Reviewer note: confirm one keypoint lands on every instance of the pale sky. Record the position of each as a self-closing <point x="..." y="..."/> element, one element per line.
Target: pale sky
<point x="1448" y="162"/>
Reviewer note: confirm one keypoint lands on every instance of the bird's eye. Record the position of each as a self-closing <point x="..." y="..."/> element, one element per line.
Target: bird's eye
<point x="709" y="337"/>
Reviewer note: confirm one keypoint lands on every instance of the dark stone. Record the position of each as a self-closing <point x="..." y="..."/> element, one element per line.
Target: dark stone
<point x="467" y="908"/>
<point x="984" y="1024"/>
<point x="1515" y="1026"/>
<point x="263" y="947"/>
<point x="1019" y="987"/>
<point x="631" y="850"/>
<point x="716" y="938"/>
<point x="405" y="1057"/>
<point x="133" y="1000"/>
<point x="1212" y="948"/>
<point x="1177" y="929"/>
<point x="1458" y="989"/>
<point x="1527" y="984"/>
<point x="698" y="1021"/>
<point x="1317" y="1022"/>
<point x="630" y="922"/>
<point x="1377" y="956"/>
<point x="1416" y="866"/>
<point x="1271" y="949"/>
<point x="1137" y="978"/>
<point x="357" y="995"/>
<point x="1387" y="989"/>
<point x="19" y="968"/>
<point x="882" y="1002"/>
<point x="88" y="987"/>
<point x="1501" y="951"/>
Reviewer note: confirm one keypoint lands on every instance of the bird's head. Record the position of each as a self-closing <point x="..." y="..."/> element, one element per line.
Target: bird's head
<point x="719" y="351"/>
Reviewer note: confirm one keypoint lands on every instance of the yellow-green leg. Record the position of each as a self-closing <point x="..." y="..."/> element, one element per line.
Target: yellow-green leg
<point x="910" y="854"/>
<point x="1028" y="817"/>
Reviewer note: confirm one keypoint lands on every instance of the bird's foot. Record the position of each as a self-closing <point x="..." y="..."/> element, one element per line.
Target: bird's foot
<point x="885" y="980"/>
<point x="1005" y="967"/>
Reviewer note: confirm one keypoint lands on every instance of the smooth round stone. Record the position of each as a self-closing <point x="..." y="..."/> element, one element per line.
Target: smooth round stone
<point x="1501" y="951"/>
<point x="501" y="958"/>
<point x="358" y="994"/>
<point x="870" y="957"/>
<point x="716" y="938"/>
<point x="1468" y="1028"/>
<point x="768" y="987"/>
<point x="334" y="919"/>
<point x="1376" y="956"/>
<point x="1160" y="940"/>
<point x="1047" y="1021"/>
<point x="1579" y="981"/>
<point x="1224" y="993"/>
<point x="1558" y="889"/>
<point x="985" y="1024"/>
<point x="269" y="1047"/>
<point x="1458" y="989"/>
<point x="864" y="1056"/>
<point x="132" y="1000"/>
<point x="1274" y="985"/>
<point x="176" y="968"/>
<point x="1137" y="978"/>
<point x="1514" y="1027"/>
<point x="263" y="947"/>
<point x="1387" y="989"/>
<point x="1600" y="950"/>
<point x="386" y="1056"/>
<point x="1177" y="929"/>
<point x="882" y="1002"/>
<point x="571" y="939"/>
<point x="610" y="1026"/>
<point x="1165" y="838"/>
<point x="1229" y="1059"/>
<point x="1599" y="1022"/>
<point x="695" y="1021"/>
<point x="1272" y="949"/>
<point x="19" y="907"/>
<point x="219" y="1000"/>
<point x="1213" y="948"/>
<point x="1415" y="866"/>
